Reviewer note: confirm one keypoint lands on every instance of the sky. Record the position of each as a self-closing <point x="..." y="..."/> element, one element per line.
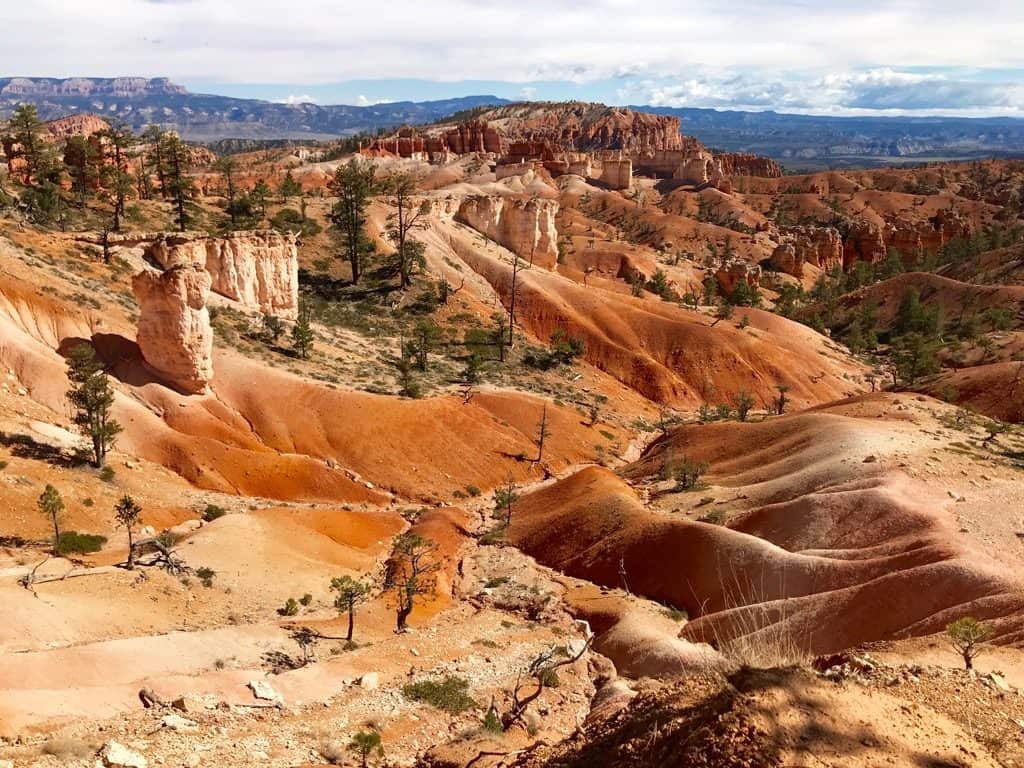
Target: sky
<point x="815" y="57"/>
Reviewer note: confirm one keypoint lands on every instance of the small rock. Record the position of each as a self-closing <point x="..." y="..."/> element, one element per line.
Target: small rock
<point x="1000" y="682"/>
<point x="870" y="459"/>
<point x="116" y="755"/>
<point x="370" y="681"/>
<point x="6" y="764"/>
<point x="261" y="690"/>
<point x="178" y="723"/>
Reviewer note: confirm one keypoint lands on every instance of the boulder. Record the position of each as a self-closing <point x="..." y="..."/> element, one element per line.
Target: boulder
<point x="261" y="689"/>
<point x="370" y="681"/>
<point x="174" y="333"/>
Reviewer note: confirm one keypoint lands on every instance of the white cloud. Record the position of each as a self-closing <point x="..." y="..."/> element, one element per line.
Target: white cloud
<point x="304" y="98"/>
<point x="529" y="93"/>
<point x="699" y="51"/>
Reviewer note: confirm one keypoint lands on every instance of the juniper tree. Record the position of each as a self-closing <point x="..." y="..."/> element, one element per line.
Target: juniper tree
<point x="91" y="396"/>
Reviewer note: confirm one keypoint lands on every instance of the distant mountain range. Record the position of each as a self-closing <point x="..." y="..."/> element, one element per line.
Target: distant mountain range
<point x="810" y="141"/>
<point x="799" y="142"/>
<point x="203" y="117"/>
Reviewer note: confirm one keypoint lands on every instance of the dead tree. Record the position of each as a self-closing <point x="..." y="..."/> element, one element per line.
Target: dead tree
<point x="537" y="676"/>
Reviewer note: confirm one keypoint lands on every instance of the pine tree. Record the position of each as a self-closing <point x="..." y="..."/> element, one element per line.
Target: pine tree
<point x="178" y="159"/>
<point x="302" y="331"/>
<point x="51" y="505"/>
<point x="354" y="183"/>
<point x="128" y="513"/>
<point x="351" y="592"/>
<point x="92" y="397"/>
<point x="289" y="187"/>
<point x="259" y="195"/>
<point x="406" y="218"/>
<point x="118" y="180"/>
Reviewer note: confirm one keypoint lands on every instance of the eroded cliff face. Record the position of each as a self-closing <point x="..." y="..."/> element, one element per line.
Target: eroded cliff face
<point x="820" y="246"/>
<point x="174" y="332"/>
<point x="525" y="227"/>
<point x="258" y="269"/>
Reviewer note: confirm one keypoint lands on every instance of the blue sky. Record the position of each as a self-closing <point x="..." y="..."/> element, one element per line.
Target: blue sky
<point x="823" y="57"/>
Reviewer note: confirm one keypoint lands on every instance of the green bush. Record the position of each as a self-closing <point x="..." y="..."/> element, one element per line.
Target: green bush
<point x="449" y="694"/>
<point x="107" y="474"/>
<point x="205" y="575"/>
<point x="290" y="607"/>
<point x="213" y="512"/>
<point x="75" y="543"/>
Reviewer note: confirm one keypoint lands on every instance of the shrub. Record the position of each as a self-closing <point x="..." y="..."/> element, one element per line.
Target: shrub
<point x="492" y="723"/>
<point x="75" y="543"/>
<point x="205" y="575"/>
<point x="687" y="473"/>
<point x="290" y="607"/>
<point x="472" y="490"/>
<point x="213" y="512"/>
<point x="449" y="694"/>
<point x="306" y="599"/>
<point x="107" y="474"/>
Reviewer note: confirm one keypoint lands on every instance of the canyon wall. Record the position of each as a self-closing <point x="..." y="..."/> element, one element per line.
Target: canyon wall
<point x="525" y="227"/>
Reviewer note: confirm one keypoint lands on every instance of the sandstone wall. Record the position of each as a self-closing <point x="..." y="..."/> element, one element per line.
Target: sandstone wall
<point x="617" y="174"/>
<point x="174" y="332"/>
<point x="525" y="227"/>
<point x="259" y="269"/>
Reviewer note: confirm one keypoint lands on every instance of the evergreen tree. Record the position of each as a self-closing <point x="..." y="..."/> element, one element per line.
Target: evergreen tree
<point x="407" y="215"/>
<point x="155" y="136"/>
<point x="259" y="195"/>
<point x="351" y="592"/>
<point x="92" y="397"/>
<point x="117" y="140"/>
<point x="128" y="513"/>
<point x="83" y="160"/>
<point x="354" y="183"/>
<point x="51" y="506"/>
<point x="289" y="187"/>
<point x="178" y="160"/>
<point x="302" y="331"/>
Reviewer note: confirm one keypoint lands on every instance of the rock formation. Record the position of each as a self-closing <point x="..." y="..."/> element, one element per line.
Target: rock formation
<point x="525" y="227"/>
<point x="76" y="125"/>
<point x="732" y="273"/>
<point x="820" y="246"/>
<point x="743" y="164"/>
<point x="174" y="332"/>
<point x="258" y="269"/>
<point x="863" y="242"/>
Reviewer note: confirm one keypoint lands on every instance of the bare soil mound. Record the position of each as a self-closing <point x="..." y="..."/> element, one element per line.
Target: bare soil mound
<point x="666" y="353"/>
<point x="807" y="567"/>
<point x="767" y="718"/>
<point x="996" y="390"/>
